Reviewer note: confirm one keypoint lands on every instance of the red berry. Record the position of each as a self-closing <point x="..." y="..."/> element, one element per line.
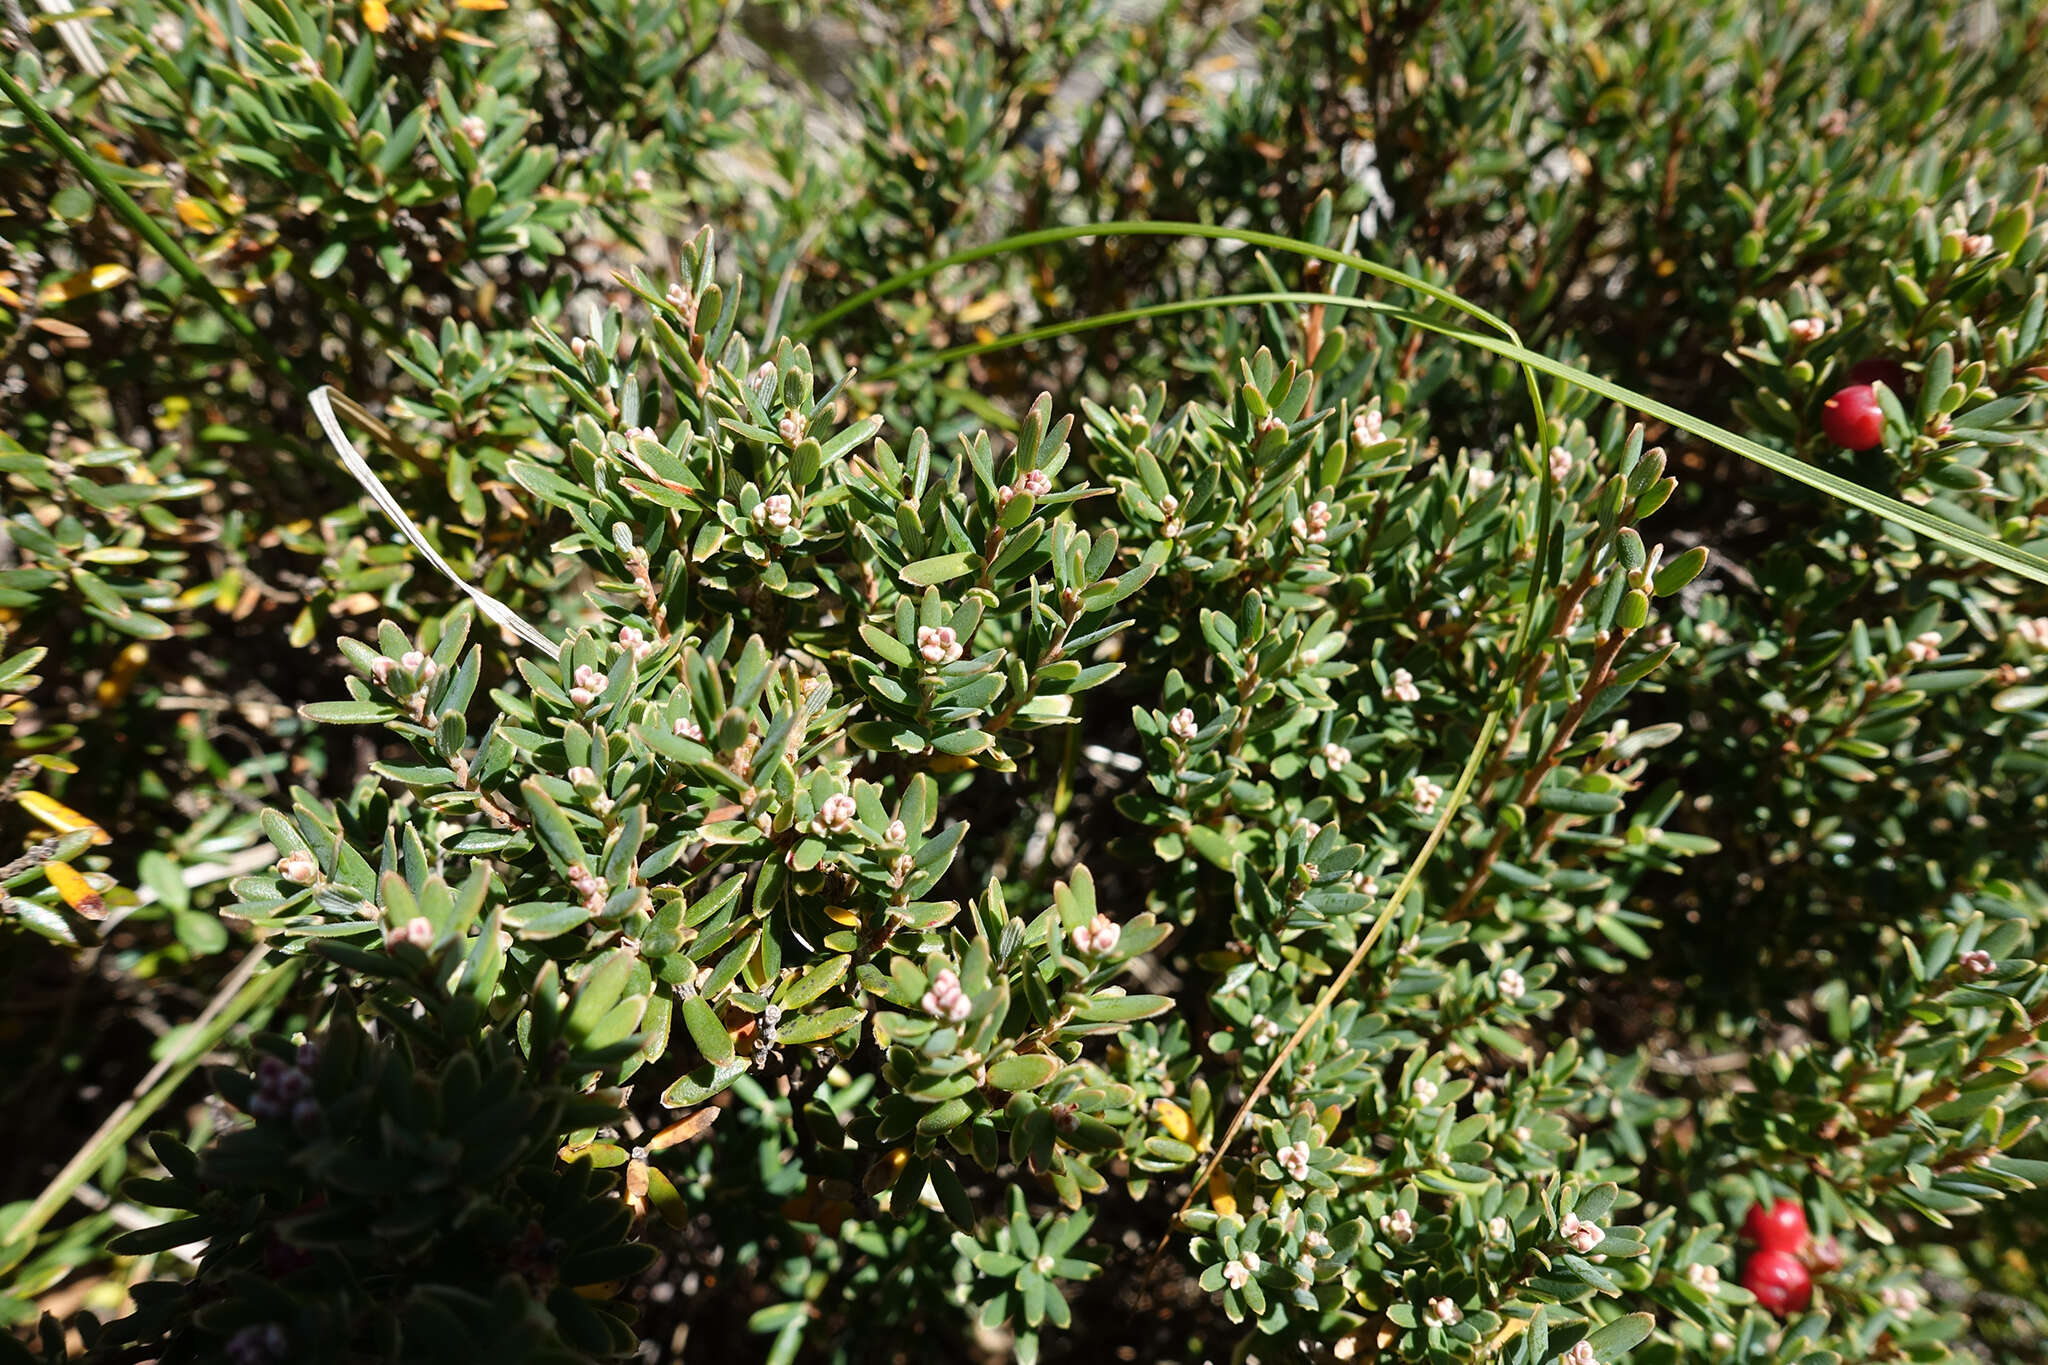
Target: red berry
<point x="1779" y="1282"/>
<point x="1852" y="418"/>
<point x="1781" y="1227"/>
<point x="1878" y="370"/>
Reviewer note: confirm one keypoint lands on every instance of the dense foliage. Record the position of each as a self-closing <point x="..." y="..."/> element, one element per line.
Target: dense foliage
<point x="1251" y="830"/>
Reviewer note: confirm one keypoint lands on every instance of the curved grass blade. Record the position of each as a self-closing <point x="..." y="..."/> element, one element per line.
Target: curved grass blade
<point x="1134" y="228"/>
<point x="1916" y="519"/>
<point x="323" y="402"/>
<point x="1453" y="801"/>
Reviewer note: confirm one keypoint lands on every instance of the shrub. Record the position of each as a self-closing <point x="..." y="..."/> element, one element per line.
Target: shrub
<point x="1263" y="830"/>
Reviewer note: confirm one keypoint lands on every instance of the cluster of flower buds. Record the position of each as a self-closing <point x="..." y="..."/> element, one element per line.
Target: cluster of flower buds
<point x="592" y="888"/>
<point x="1924" y="647"/>
<point x="775" y="512"/>
<point x="1367" y="428"/>
<point x="587" y="685"/>
<point x="1582" y="1233"/>
<point x="1398" y="1225"/>
<point x="1034" y="483"/>
<point x="1560" y="463"/>
<point x="793" y="427"/>
<point x="284" y="1089"/>
<point x="1807" y="330"/>
<point x="685" y="303"/>
<point x="1971" y="244"/>
<point x="1336" y="755"/>
<point x="835" y="814"/>
<point x="1097" y="937"/>
<point x="634" y="642"/>
<point x="417" y="669"/>
<point x="938" y="644"/>
<point x="1293" y="1159"/>
<point x="1313" y="525"/>
<point x="946" y="1000"/>
<point x="1183" y="726"/>
<point x="1401" y="687"/>
<point x="1423" y="794"/>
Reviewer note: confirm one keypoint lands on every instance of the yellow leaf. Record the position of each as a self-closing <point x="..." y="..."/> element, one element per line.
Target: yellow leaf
<point x="82" y="282"/>
<point x="121" y="674"/>
<point x="839" y="914"/>
<point x="9" y="297"/>
<point x="195" y="215"/>
<point x="479" y="4"/>
<point x="984" y="308"/>
<point x="1174" y="1120"/>
<point x="75" y="889"/>
<point x="1220" y="1197"/>
<point x="376" y="15"/>
<point x="59" y="816"/>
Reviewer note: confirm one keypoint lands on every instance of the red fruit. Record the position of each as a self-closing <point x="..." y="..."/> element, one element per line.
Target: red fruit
<point x="1852" y="418"/>
<point x="1781" y="1227"/>
<point x="1878" y="370"/>
<point x="1779" y="1282"/>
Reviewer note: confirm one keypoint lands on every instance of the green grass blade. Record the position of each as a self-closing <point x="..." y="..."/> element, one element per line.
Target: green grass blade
<point x="146" y="227"/>
<point x="242" y="992"/>
<point x="1548" y="525"/>
<point x="1133" y="228"/>
<point x="1916" y="519"/>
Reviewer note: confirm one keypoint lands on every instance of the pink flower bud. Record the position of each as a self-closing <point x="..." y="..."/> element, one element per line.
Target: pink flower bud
<point x="1096" y="937"/>
<point x="938" y="644"/>
<point x="298" y="867"/>
<point x="946" y="1000"/>
<point x="836" y="814"/>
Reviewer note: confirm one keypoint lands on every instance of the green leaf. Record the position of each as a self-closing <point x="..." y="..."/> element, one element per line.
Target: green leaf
<point x="938" y="569"/>
<point x="1680" y="571"/>
<point x="1122" y="1008"/>
<point x="349" y="712"/>
<point x="706" y="1032"/>
<point x="1024" y="1071"/>
<point x="552" y="826"/>
<point x="1621" y="1335"/>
